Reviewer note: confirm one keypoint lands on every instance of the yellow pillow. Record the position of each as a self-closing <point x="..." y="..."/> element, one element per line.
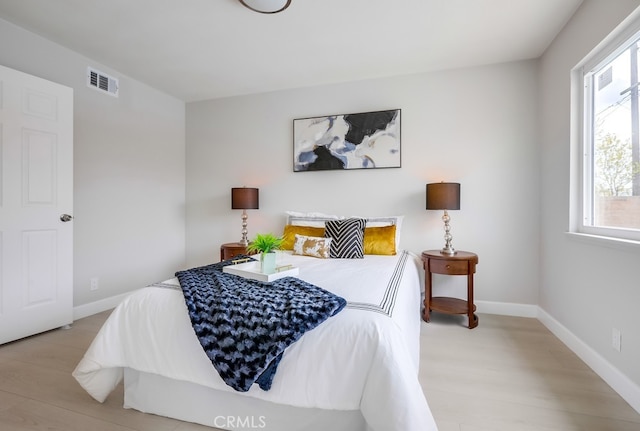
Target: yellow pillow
<point x="290" y="231"/>
<point x="380" y="240"/>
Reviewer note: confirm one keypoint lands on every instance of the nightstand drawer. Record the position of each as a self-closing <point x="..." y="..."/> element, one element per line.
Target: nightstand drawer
<point x="230" y="254"/>
<point x="231" y="250"/>
<point x="449" y="267"/>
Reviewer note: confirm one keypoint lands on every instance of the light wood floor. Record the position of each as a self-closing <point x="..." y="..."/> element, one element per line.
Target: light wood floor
<point x="507" y="374"/>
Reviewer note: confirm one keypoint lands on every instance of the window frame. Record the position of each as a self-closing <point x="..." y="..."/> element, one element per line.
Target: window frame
<point x="581" y="204"/>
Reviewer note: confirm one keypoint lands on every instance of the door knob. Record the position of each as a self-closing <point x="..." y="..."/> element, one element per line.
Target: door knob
<point x="65" y="218"/>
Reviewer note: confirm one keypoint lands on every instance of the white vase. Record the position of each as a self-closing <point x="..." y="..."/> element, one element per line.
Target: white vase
<point x="268" y="263"/>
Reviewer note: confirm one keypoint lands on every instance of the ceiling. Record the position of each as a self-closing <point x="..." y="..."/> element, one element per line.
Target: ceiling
<point x="205" y="49"/>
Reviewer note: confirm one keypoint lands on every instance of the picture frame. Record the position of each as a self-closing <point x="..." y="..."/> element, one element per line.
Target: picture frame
<point x="364" y="140"/>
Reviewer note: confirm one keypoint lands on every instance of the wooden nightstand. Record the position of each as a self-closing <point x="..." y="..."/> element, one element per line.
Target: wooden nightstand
<point x="232" y="249"/>
<point x="461" y="263"/>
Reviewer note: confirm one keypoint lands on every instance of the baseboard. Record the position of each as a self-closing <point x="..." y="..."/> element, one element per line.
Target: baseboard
<point x="506" y="309"/>
<point x="96" y="307"/>
<point x="620" y="383"/>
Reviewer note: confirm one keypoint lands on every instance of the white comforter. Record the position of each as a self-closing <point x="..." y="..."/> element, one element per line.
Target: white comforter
<point x="366" y="357"/>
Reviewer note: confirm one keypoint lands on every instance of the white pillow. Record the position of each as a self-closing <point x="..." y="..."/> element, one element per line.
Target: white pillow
<point x="314" y="219"/>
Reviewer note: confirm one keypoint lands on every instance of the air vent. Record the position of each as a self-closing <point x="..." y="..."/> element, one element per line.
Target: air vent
<point x="102" y="82"/>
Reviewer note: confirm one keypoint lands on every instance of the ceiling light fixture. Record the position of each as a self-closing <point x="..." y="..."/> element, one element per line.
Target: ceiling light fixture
<point x="266" y="6"/>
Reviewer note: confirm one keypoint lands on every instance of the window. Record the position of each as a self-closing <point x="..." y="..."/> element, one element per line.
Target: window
<point x="610" y="186"/>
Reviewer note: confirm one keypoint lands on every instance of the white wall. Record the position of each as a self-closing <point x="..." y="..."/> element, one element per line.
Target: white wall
<point x="474" y="126"/>
<point x="129" y="185"/>
<point x="586" y="287"/>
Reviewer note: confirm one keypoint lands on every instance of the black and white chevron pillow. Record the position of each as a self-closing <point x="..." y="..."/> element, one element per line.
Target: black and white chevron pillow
<point x="347" y="237"/>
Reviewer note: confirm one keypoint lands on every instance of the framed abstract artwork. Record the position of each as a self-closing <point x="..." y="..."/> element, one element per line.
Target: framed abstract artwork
<point x="366" y="140"/>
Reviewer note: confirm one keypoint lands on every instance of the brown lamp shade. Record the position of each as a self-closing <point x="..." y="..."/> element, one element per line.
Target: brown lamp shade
<point x="244" y="198"/>
<point x="443" y="196"/>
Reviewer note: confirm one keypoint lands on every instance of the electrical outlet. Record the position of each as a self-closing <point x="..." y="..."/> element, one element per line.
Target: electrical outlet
<point x="616" y="339"/>
<point x="94" y="283"/>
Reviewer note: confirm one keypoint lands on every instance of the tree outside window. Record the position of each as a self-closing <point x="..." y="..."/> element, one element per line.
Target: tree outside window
<point x="613" y="170"/>
<point x="615" y="153"/>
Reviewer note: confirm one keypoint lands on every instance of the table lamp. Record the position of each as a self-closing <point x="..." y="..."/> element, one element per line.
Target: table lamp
<point x="444" y="196"/>
<point x="244" y="198"/>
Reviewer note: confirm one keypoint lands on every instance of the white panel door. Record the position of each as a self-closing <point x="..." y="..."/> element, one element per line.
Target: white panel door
<point x="36" y="189"/>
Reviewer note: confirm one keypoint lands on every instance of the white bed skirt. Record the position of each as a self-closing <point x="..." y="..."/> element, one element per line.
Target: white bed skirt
<point x="358" y="371"/>
<point x="186" y="401"/>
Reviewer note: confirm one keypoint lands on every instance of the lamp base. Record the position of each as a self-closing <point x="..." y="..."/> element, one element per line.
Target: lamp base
<point x="448" y="248"/>
<point x="245" y="240"/>
<point x="448" y="251"/>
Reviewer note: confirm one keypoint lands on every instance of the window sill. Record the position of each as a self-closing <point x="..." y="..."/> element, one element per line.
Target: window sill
<point x="605" y="241"/>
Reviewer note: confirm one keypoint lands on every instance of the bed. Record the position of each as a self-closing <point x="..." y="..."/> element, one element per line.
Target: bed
<point x="358" y="370"/>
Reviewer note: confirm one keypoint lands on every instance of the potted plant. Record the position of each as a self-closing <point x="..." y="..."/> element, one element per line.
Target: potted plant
<point x="266" y="244"/>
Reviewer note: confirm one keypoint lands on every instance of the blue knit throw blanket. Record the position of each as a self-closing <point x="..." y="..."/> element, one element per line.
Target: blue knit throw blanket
<point x="245" y="325"/>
